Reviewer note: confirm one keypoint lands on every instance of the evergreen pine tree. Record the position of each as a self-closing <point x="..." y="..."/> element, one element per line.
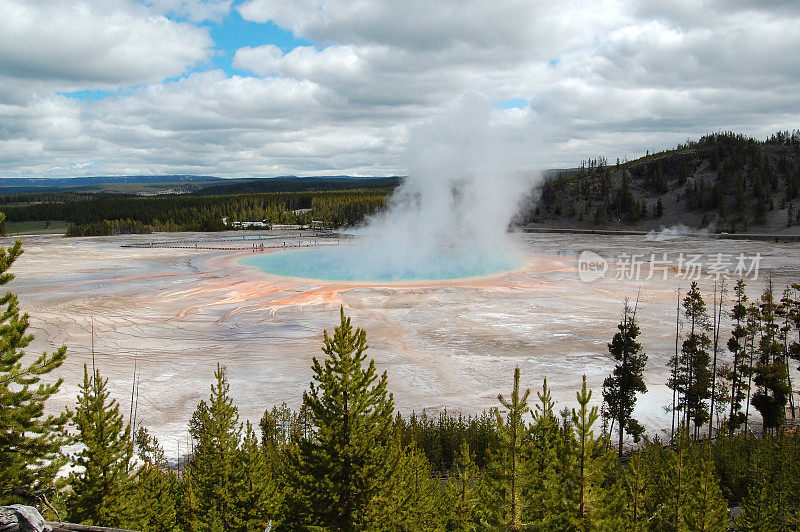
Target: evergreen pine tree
<point x="706" y="509"/>
<point x="794" y="317"/>
<point x="674" y="476"/>
<point x="760" y="508"/>
<point x="414" y="501"/>
<point x="737" y="347"/>
<point x="784" y="313"/>
<point x="635" y="481"/>
<point x="541" y="487"/>
<point x="279" y="426"/>
<point x="156" y="491"/>
<point x="760" y="212"/>
<point x="512" y="431"/>
<point x="103" y="485"/>
<point x="188" y="501"/>
<point x="693" y="381"/>
<point x="254" y="487"/>
<point x="770" y="375"/>
<point x="212" y="471"/>
<point x="597" y="505"/>
<point x="30" y="441"/>
<point x="753" y="327"/>
<point x="463" y="486"/>
<point x="337" y="474"/>
<point x="620" y="388"/>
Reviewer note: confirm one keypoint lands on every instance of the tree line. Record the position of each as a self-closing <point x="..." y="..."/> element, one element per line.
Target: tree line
<point x="104" y="214"/>
<point x="763" y="342"/>
<point x="347" y="461"/>
<point x="727" y="178"/>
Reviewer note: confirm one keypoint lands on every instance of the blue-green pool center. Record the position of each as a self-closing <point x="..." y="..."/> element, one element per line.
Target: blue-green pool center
<point x="356" y="263"/>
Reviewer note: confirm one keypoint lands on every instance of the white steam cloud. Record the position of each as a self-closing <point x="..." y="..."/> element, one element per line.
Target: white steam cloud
<point x="449" y="218"/>
<point x="676" y="232"/>
<point x="457" y="202"/>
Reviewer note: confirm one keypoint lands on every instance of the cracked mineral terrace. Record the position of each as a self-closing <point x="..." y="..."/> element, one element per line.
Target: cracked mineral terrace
<point x="445" y="344"/>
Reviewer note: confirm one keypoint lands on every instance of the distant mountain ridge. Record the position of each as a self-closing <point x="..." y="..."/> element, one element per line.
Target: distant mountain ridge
<point x="183" y="184"/>
<point x="58" y="182"/>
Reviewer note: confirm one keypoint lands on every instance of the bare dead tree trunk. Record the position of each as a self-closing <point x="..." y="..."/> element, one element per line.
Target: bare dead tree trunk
<point x="675" y="368"/>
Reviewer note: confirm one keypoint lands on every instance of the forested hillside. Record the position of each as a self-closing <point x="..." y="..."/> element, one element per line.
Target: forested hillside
<point x="300" y="184"/>
<point x="724" y="180"/>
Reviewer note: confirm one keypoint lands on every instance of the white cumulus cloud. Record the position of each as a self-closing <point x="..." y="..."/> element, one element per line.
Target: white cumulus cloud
<point x="97" y="44"/>
<point x="194" y="10"/>
<point x="603" y="77"/>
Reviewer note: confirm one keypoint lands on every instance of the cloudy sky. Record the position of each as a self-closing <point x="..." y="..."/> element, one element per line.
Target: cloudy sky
<point x="305" y="87"/>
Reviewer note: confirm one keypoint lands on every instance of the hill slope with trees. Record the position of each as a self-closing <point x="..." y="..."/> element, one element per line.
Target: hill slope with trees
<point x="723" y="181"/>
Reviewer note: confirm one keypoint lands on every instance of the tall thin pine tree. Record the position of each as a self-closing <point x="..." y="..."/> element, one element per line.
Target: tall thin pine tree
<point x="512" y="430"/>
<point x="30" y="441"/>
<point x="737" y="347"/>
<point x="595" y="500"/>
<point x="770" y="377"/>
<point x="213" y="468"/>
<point x="692" y="380"/>
<point x="627" y="379"/>
<point x="102" y="488"/>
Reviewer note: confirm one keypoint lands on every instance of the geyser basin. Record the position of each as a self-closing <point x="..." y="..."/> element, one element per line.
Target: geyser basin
<point x="358" y="263"/>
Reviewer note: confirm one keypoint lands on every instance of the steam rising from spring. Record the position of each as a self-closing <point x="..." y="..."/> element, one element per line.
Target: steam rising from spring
<point x="456" y="200"/>
<point x="448" y="219"/>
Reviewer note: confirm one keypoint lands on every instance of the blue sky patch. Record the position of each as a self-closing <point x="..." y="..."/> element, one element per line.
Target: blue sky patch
<point x="88" y="94"/>
<point x="234" y="32"/>
<point x="512" y="103"/>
